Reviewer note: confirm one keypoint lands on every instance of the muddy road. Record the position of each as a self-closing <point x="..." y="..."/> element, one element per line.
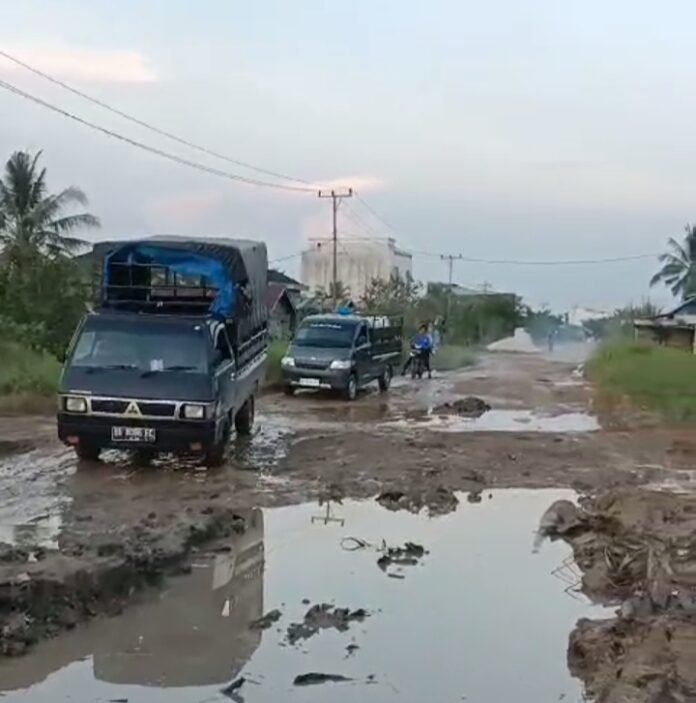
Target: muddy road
<point x="404" y="522"/>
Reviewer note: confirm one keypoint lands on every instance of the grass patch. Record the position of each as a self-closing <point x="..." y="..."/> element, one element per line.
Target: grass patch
<point x="28" y="379"/>
<point x="23" y="371"/>
<point x="449" y="357"/>
<point x="658" y="378"/>
<point x="276" y="351"/>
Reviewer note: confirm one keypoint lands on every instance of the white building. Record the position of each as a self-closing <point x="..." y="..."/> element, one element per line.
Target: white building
<point x="359" y="261"/>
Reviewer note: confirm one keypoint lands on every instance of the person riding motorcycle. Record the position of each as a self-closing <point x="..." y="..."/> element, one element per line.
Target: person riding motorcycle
<point x="421" y="344"/>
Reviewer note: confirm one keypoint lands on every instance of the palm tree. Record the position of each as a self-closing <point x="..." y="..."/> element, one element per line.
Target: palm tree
<point x="31" y="219"/>
<point x="678" y="270"/>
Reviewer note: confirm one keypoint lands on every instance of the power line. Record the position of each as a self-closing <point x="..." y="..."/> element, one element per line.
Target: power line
<point x="149" y="126"/>
<point x="153" y="150"/>
<point x="374" y="213"/>
<point x="549" y="262"/>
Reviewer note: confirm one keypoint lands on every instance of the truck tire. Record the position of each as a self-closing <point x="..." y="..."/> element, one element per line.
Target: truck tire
<point x="385" y="379"/>
<point x="215" y="455"/>
<point x="244" y="419"/>
<point x="289" y="390"/>
<point x="87" y="452"/>
<point x="351" y="390"/>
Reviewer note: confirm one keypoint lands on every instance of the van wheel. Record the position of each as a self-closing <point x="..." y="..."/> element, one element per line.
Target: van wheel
<point x="215" y="455"/>
<point x="244" y="419"/>
<point x="351" y="390"/>
<point x="385" y="379"/>
<point x="87" y="452"/>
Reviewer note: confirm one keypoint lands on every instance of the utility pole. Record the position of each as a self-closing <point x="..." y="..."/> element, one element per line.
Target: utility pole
<point x="450" y="259"/>
<point x="336" y="198"/>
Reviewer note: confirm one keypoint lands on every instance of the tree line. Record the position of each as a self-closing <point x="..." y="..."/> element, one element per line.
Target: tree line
<point x="43" y="293"/>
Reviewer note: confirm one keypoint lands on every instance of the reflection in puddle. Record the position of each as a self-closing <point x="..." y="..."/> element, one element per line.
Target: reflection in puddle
<point x="503" y="421"/>
<point x="480" y="617"/>
<point x="42" y="532"/>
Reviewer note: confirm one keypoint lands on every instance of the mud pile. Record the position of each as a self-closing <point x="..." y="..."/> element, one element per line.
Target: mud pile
<point x="437" y="500"/>
<point x="471" y="406"/>
<point x="41" y="597"/>
<point x="636" y="549"/>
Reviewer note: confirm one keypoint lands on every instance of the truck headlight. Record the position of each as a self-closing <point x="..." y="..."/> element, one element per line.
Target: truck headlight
<point x="287" y="361"/>
<point x="193" y="411"/>
<point x="341" y="364"/>
<point x="75" y="404"/>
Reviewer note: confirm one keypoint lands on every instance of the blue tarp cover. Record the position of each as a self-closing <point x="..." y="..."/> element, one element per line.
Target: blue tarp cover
<point x="182" y="262"/>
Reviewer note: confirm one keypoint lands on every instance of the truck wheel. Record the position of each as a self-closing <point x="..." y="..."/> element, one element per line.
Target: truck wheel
<point x="244" y="419"/>
<point x="351" y="390"/>
<point x="385" y="379"/>
<point x="144" y="457"/>
<point x="87" y="452"/>
<point x="215" y="455"/>
<point x="289" y="390"/>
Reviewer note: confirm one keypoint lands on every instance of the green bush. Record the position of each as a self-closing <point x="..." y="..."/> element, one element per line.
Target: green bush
<point x="656" y="377"/>
<point x="276" y="351"/>
<point x="23" y="370"/>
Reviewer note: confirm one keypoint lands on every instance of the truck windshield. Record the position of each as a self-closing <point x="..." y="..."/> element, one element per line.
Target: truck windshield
<point x="145" y="348"/>
<point x="332" y="335"/>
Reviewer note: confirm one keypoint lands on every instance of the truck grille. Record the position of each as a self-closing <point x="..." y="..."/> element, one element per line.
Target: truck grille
<point x="119" y="407"/>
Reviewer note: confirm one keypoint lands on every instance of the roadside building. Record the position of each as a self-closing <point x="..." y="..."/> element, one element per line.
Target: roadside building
<point x="359" y="262"/>
<point x="676" y="328"/>
<point x="282" y="312"/>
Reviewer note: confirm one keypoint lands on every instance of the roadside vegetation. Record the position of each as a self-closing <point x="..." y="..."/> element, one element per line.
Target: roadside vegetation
<point x="652" y="376"/>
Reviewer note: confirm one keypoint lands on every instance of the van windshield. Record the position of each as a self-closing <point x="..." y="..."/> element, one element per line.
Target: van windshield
<point x="108" y="344"/>
<point x="332" y="335"/>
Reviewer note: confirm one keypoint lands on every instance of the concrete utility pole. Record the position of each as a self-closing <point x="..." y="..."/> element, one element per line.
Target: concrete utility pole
<point x="450" y="259"/>
<point x="336" y="198"/>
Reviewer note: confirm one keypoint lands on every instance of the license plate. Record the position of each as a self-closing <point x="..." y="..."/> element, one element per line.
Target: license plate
<point x="133" y="434"/>
<point x="309" y="382"/>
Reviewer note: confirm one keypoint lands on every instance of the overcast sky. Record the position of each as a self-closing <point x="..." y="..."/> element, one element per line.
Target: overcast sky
<point x="543" y="129"/>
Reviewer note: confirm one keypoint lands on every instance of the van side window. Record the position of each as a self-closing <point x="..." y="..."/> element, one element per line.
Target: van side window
<point x="362" y="337"/>
<point x="223" y="351"/>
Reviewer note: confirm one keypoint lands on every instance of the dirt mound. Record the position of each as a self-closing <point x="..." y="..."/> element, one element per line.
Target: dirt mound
<point x="636" y="548"/>
<point x="471" y="406"/>
<point x="631" y="542"/>
<point x="628" y="660"/>
<point x="519" y="342"/>
<point x="436" y="500"/>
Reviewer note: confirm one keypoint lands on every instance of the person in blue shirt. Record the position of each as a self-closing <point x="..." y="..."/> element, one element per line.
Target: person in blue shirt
<point x="423" y="343"/>
<point x="346" y="309"/>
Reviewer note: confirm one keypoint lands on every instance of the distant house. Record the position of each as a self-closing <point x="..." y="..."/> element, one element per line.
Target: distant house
<point x="676" y="328"/>
<point x="282" y="313"/>
<point x="294" y="288"/>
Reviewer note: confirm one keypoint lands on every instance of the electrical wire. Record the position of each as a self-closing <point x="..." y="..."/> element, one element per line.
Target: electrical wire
<point x="548" y="262"/>
<point x="154" y="150"/>
<point x="149" y="126"/>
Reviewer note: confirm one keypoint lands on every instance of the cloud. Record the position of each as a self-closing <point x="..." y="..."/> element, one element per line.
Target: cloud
<point x="360" y="184"/>
<point x="172" y="212"/>
<point x="77" y="63"/>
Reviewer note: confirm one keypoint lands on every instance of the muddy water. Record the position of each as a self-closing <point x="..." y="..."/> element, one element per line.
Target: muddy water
<point x="481" y="617"/>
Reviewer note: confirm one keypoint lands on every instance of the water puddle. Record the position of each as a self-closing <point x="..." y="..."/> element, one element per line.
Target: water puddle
<point x="479" y="617"/>
<point x="502" y="421"/>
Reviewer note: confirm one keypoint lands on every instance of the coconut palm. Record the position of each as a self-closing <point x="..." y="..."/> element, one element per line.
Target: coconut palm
<point x="33" y="220"/>
<point x="678" y="270"/>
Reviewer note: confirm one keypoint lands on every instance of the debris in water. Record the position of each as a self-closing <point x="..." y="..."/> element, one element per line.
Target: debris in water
<point x="561" y="518"/>
<point x="438" y="500"/>
<point x="471" y="406"/>
<point x="474" y="496"/>
<point x="233" y="687"/>
<point x="322" y="617"/>
<point x="312" y="679"/>
<point x="352" y="649"/>
<point x="264" y="622"/>
<point x="408" y="555"/>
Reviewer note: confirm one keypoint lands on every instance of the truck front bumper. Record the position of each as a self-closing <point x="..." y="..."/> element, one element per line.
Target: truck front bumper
<point x="176" y="436"/>
<point x="298" y="377"/>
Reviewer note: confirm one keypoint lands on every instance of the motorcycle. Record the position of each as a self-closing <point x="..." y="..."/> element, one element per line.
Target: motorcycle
<point x="418" y="366"/>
